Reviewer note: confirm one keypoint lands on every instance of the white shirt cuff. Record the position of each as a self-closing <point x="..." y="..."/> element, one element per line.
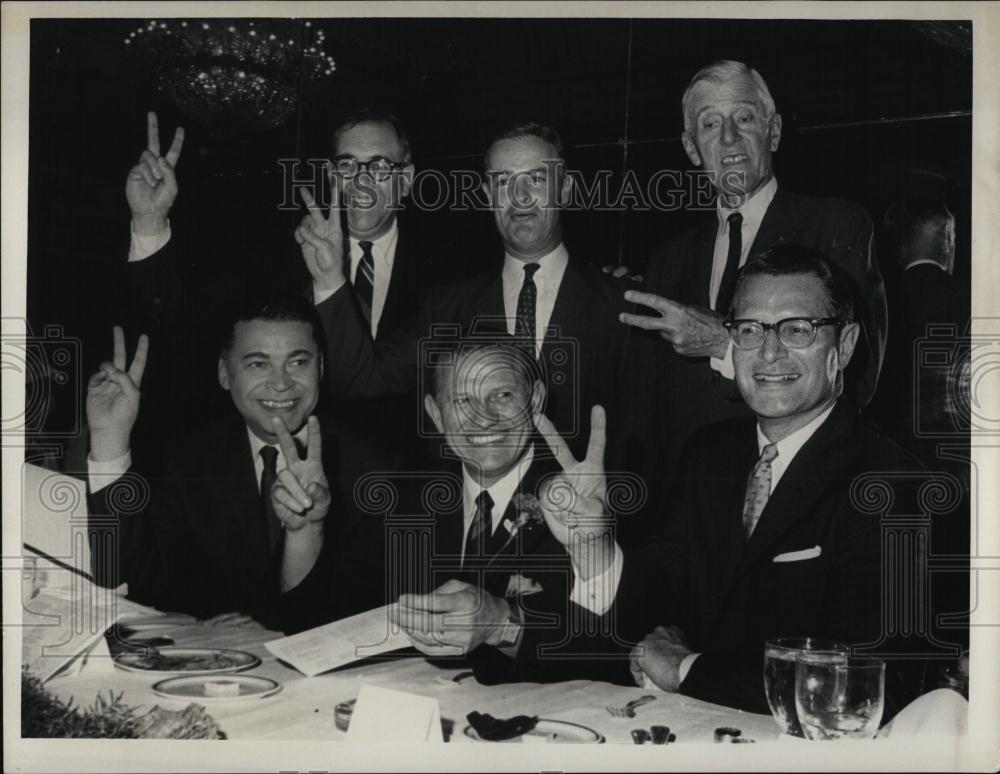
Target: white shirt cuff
<point x="101" y="474"/>
<point x="597" y="594"/>
<point x="682" y="672"/>
<point x="725" y="365"/>
<point x="319" y="296"/>
<point x="144" y="245"/>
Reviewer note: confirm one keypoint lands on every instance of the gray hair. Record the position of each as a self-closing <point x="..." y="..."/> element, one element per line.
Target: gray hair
<point x="720" y="72"/>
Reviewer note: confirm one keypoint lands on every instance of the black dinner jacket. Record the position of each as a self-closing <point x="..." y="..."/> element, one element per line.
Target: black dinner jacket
<point x="729" y="595"/>
<point x="194" y="539"/>
<point x="671" y="395"/>
<point x="582" y="365"/>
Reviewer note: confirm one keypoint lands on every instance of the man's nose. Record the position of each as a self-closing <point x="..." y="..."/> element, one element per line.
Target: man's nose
<point x="280" y="380"/>
<point x="730" y="131"/>
<point x="771" y="348"/>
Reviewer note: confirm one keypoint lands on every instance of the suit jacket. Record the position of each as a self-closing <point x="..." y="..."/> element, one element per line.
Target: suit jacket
<point x="728" y="594"/>
<point x="194" y="540"/>
<point x="673" y="395"/>
<point x="582" y="365"/>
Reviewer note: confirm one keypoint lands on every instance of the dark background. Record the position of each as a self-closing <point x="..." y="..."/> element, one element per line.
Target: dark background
<point x="861" y="103"/>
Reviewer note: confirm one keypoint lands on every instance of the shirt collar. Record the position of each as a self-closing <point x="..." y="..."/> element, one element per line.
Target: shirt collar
<point x="552" y="264"/>
<point x="789" y="446"/>
<point x="380" y="246"/>
<point x="501" y="492"/>
<point x="754" y="208"/>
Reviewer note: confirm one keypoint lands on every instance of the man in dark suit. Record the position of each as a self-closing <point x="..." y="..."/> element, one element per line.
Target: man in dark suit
<point x="682" y="379"/>
<point x="561" y="302"/>
<point x="493" y="556"/>
<point x="765" y="539"/>
<point x="238" y="521"/>
<point x="167" y="278"/>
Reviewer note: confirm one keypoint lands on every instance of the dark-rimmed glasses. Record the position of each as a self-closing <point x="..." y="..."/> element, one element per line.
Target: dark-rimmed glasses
<point x="793" y="332"/>
<point x="378" y="167"/>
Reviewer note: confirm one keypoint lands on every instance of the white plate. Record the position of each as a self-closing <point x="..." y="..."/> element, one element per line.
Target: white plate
<point x="189" y="661"/>
<point x="555" y="731"/>
<point x="225" y="688"/>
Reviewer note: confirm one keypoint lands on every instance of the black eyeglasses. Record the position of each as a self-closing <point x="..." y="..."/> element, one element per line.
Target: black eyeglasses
<point x="793" y="332"/>
<point x="379" y="167"/>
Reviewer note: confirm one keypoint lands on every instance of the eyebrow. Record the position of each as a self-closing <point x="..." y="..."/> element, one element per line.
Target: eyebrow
<point x="750" y="102"/>
<point x="265" y="356"/>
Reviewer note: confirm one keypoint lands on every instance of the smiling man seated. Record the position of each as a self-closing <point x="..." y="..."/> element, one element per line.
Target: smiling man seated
<point x="765" y="541"/>
<point x="493" y="555"/>
<point x="238" y="523"/>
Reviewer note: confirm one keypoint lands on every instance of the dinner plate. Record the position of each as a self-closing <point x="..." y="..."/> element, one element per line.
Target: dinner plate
<point x="556" y="731"/>
<point x="191" y="661"/>
<point x="227" y="688"/>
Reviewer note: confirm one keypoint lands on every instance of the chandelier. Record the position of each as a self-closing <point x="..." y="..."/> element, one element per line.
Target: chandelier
<point x="233" y="73"/>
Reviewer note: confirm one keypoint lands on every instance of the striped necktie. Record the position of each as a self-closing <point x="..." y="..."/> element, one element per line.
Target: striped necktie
<point x="364" y="278"/>
<point x="758" y="489"/>
<point x="728" y="284"/>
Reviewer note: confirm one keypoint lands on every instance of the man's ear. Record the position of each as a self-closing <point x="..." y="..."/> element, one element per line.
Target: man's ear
<point x="691" y="148"/>
<point x="848" y="341"/>
<point x="432" y="408"/>
<point x="406" y="181"/>
<point x="566" y="189"/>
<point x="774" y="131"/>
<point x="537" y="400"/>
<point x="223" y="374"/>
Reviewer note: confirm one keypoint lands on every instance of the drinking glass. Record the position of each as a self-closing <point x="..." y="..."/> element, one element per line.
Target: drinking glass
<point x="780" y="656"/>
<point x="840" y="701"/>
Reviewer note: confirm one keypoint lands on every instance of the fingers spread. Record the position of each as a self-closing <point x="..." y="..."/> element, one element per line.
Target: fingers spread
<point x="285" y="440"/>
<point x="311" y="205"/>
<point x="174" y="151"/>
<point x="138" y="366"/>
<point x="653" y="301"/>
<point x="559" y="447"/>
<point x="642" y="321"/>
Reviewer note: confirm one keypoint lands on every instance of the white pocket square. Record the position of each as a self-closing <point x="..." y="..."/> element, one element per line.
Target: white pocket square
<point x="799" y="556"/>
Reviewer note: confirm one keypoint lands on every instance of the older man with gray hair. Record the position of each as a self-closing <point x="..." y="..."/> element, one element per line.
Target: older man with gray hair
<point x="732" y="130"/>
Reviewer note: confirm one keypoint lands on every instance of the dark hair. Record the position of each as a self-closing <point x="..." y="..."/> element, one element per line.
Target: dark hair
<point x="445" y="355"/>
<point x="278" y="308"/>
<point x="371" y="115"/>
<point x="784" y="260"/>
<point x="531" y="129"/>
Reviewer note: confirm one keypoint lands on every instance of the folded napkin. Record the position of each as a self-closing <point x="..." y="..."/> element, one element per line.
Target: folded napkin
<point x="942" y="712"/>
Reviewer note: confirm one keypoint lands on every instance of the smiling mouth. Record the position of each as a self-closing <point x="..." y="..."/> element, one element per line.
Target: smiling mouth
<point x="735" y="158"/>
<point x="362" y="200"/>
<point x="775" y="378"/>
<point x="278" y="405"/>
<point x="484" y="440"/>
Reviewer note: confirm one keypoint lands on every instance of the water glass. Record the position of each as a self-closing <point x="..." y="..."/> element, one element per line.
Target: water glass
<point x="840" y="701"/>
<point x="780" y="656"/>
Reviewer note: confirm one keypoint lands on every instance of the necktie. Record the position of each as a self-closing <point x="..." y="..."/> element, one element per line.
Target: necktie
<point x="728" y="284"/>
<point x="481" y="527"/>
<point x="758" y="489"/>
<point x="364" y="278"/>
<point x="524" y="325"/>
<point x="269" y="455"/>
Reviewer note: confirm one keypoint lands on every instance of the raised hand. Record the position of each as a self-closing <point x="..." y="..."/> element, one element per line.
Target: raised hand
<point x="322" y="241"/>
<point x="301" y="495"/>
<point x="573" y="501"/>
<point x="692" y="331"/>
<point x="113" y="399"/>
<point x="151" y="185"/>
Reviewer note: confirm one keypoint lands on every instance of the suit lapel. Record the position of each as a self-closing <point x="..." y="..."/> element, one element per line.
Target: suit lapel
<point x="729" y="492"/>
<point x="695" y="283"/>
<point x="528" y="535"/>
<point x="780" y="220"/>
<point x="571" y="306"/>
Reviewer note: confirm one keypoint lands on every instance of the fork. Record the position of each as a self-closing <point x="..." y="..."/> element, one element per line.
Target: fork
<point x="628" y="711"/>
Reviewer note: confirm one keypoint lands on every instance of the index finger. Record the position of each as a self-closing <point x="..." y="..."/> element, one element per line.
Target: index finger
<point x="174" y="151"/>
<point x="152" y="134"/>
<point x="598" y="436"/>
<point x="555" y="441"/>
<point x="118" y="358"/>
<point x="314" y="442"/>
<point x="310" y="202"/>
<point x="138" y="366"/>
<point x="653" y="301"/>
<point x="285" y="440"/>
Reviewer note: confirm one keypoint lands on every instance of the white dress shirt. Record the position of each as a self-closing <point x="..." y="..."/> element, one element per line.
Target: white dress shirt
<point x="551" y="268"/>
<point x="753" y="211"/>
<point x="501" y="493"/>
<point x="101" y="474"/>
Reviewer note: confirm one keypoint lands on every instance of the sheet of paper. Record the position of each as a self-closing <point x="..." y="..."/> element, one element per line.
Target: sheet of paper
<point x="341" y="642"/>
<point x="386" y="715"/>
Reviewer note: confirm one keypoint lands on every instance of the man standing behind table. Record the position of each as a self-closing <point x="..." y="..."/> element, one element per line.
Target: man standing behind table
<point x="389" y="272"/>
<point x="731" y="130"/>
<point x="764" y="540"/>
<point x="561" y="302"/>
<point x="237" y="523"/>
<point x="493" y="557"/>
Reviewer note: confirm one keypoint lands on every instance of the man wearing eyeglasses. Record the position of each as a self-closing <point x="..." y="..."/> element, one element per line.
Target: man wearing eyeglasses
<point x="684" y="374"/>
<point x="766" y="539"/>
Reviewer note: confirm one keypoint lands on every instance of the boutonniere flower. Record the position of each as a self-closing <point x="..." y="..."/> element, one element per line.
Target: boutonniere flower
<point x="527" y="513"/>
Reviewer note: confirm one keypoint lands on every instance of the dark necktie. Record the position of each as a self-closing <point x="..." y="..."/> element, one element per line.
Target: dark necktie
<point x="269" y="454"/>
<point x="758" y="489"/>
<point x="364" y="279"/>
<point x="481" y="527"/>
<point x="728" y="284"/>
<point x="524" y="325"/>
